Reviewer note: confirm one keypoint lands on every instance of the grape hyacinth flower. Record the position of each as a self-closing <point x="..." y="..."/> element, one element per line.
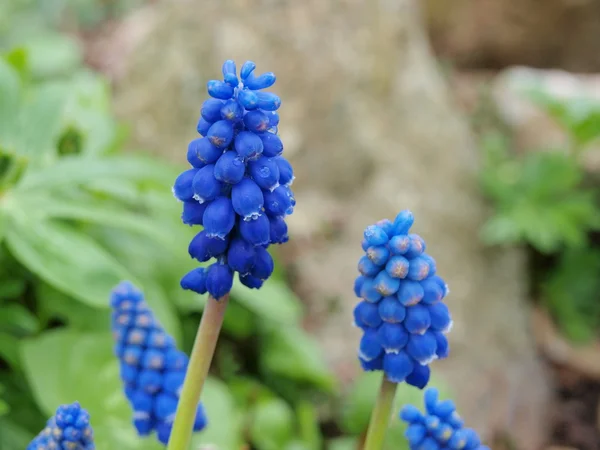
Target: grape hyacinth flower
<point x="403" y="318"/>
<point x="152" y="368"/>
<point x="68" y="429"/>
<point x="238" y="186"/>
<point x="439" y="428"/>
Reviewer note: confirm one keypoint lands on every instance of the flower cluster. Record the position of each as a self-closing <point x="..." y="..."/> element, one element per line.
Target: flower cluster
<point x="69" y="429"/>
<point x="152" y="368"/>
<point x="238" y="186"/>
<point x="439" y="428"/>
<point x="401" y="313"/>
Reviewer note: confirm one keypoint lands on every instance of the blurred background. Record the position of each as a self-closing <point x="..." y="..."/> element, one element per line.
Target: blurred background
<point x="481" y="116"/>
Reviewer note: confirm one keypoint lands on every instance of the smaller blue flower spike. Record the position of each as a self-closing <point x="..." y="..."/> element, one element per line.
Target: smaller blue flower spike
<point x="401" y="312"/>
<point x="238" y="187"/>
<point x="152" y="368"/>
<point x="439" y="428"/>
<point x="69" y="429"/>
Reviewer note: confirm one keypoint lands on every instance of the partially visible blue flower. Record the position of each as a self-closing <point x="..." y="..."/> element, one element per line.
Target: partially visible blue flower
<point x="151" y="366"/>
<point x="401" y="313"/>
<point x="68" y="429"/>
<point x="238" y="188"/>
<point x="439" y="428"/>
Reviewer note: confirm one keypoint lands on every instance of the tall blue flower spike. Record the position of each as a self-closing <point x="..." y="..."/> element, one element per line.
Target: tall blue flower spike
<point x="403" y="318"/>
<point x="238" y="188"/>
<point x="68" y="429"/>
<point x="440" y="428"/>
<point x="152" y="368"/>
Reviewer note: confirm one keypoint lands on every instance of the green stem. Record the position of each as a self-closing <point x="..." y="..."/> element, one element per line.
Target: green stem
<point x="200" y="360"/>
<point x="381" y="416"/>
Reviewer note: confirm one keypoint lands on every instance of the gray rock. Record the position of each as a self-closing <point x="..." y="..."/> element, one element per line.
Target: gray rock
<point x="368" y="124"/>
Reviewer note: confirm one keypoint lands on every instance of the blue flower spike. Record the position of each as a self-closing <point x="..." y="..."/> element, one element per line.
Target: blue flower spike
<point x="238" y="186"/>
<point x="401" y="312"/>
<point x="68" y="429"/>
<point x="151" y="366"/>
<point x="439" y="427"/>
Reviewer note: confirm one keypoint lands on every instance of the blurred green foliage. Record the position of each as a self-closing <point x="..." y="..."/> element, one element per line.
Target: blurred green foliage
<point x="544" y="199"/>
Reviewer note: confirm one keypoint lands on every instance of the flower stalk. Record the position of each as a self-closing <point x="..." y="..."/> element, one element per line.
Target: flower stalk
<point x="197" y="372"/>
<point x="381" y="415"/>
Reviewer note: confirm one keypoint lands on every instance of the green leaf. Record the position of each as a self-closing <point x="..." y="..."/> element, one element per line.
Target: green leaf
<point x="10" y="92"/>
<point x="66" y="259"/>
<point x="291" y="353"/>
<point x="274" y="301"/>
<point x="308" y="424"/>
<point x="12" y="436"/>
<point x="53" y="54"/>
<point x="16" y="318"/>
<point x="61" y="367"/>
<point x="9" y="349"/>
<point x="272" y="424"/>
<point x="343" y="443"/>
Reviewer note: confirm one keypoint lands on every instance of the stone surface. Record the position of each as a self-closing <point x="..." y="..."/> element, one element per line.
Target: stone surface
<point x="368" y="123"/>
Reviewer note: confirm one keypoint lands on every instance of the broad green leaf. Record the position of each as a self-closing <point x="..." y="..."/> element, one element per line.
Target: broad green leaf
<point x="343" y="443"/>
<point x="224" y="429"/>
<point x="289" y="352"/>
<point x="274" y="301"/>
<point x="64" y="366"/>
<point x="10" y="92"/>
<point x="53" y="54"/>
<point x="308" y="425"/>
<point x="9" y="349"/>
<point x="18" y="319"/>
<point x="12" y="436"/>
<point x="272" y="424"/>
<point x="66" y="259"/>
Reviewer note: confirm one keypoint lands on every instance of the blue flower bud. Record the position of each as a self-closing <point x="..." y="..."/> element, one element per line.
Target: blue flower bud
<point x="265" y="172"/>
<point x="248" y="145"/>
<point x="248" y="99"/>
<point x="263" y="264"/>
<point x="206" y="186"/>
<point x="410" y="292"/>
<point x="247" y="199"/>
<point x="399" y="244"/>
<point x="376" y="236"/>
<point x="219" y="280"/>
<point x="273" y="118"/>
<point x="373" y="364"/>
<point x="263" y="81"/>
<point x="192" y="156"/>
<point x="219" y="89"/>
<point x="431" y="263"/>
<point x="417" y="319"/>
<point x="422" y="347"/>
<point x="232" y="111"/>
<point x="256" y="121"/>
<point x="358" y="283"/>
<point x="69" y="428"/>
<point x="397" y="366"/>
<point x="367" y="267"/>
<point x="277" y="202"/>
<point x="379" y="255"/>
<point x="391" y="310"/>
<point x="272" y="145"/>
<point x="203" y="126"/>
<point x="204" y="247"/>
<point x="247" y="68"/>
<point x="211" y="110"/>
<point x="387" y="226"/>
<point x="220" y="134"/>
<point x="410" y="413"/>
<point x="443" y="349"/>
<point x="397" y="267"/>
<point x="416" y="246"/>
<point x="193" y="212"/>
<point x="370" y="348"/>
<point x="418" y="269"/>
<point x="219" y="218"/>
<point x="204" y="151"/>
<point x="229" y="73"/>
<point x="415" y="434"/>
<point x="364" y="244"/>
<point x="419" y="377"/>
<point x="230" y="168"/>
<point x="183" y="187"/>
<point x="366" y="315"/>
<point x="403" y="221"/>
<point x="278" y="230"/>
<point x="385" y="284"/>
<point x="433" y="292"/>
<point x="241" y="256"/>
<point x="256" y="231"/>
<point x="368" y="291"/>
<point x="286" y="173"/>
<point x="444" y="409"/>
<point x="459" y="440"/>
<point x="250" y="281"/>
<point x="393" y="337"/>
<point x="440" y="316"/>
<point x="268" y="101"/>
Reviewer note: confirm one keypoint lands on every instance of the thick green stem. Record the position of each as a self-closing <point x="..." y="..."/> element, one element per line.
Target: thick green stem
<point x="381" y="416"/>
<point x="200" y="360"/>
